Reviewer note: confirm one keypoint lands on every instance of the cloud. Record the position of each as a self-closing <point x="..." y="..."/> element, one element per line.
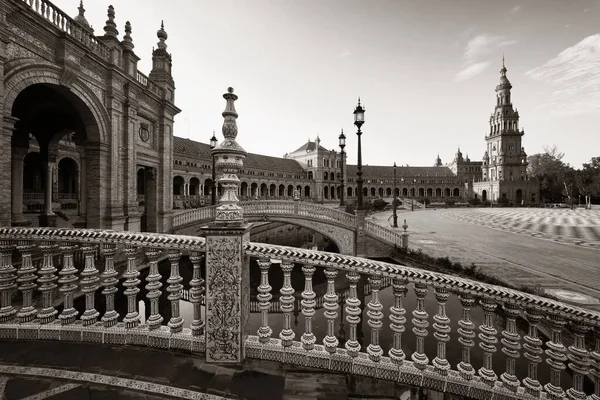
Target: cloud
<point x="345" y="54"/>
<point x="472" y="70"/>
<point x="476" y="50"/>
<point x="573" y="77"/>
<point x="515" y="9"/>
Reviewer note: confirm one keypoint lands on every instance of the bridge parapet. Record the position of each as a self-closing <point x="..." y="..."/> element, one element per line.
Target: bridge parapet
<point x="28" y="311"/>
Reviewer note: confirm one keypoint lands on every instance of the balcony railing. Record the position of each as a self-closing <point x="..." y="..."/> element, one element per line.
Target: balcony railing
<point x="62" y="21"/>
<point x="531" y="330"/>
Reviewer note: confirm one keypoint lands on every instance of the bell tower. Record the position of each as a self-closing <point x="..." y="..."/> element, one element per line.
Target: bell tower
<point x="505" y="158"/>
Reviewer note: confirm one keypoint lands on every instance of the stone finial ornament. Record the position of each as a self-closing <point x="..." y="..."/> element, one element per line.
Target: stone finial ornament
<point x="127" y="40"/>
<point x="229" y="158"/>
<point x="110" y="28"/>
<point x="162" y="36"/>
<point x="80" y="18"/>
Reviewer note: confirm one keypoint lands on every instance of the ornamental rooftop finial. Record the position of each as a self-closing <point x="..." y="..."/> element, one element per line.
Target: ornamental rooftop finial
<point x="127" y="41"/>
<point x="80" y="18"/>
<point x="110" y="28"/>
<point x="162" y="36"/>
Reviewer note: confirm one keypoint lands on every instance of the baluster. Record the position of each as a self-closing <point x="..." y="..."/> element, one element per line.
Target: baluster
<point x="37" y="5"/>
<point x="153" y="287"/>
<point x="46" y="283"/>
<point x="441" y="325"/>
<point x="264" y="300"/>
<point x="287" y="299"/>
<point x="89" y="285"/>
<point x="375" y="316"/>
<point x="533" y="351"/>
<point x="580" y="361"/>
<point x="196" y="295"/>
<point x="466" y="331"/>
<point x="420" y="327"/>
<point x="174" y="289"/>
<point x="596" y="365"/>
<point x="109" y="282"/>
<point x="308" y="308"/>
<point x="68" y="285"/>
<point x="397" y="313"/>
<point x="331" y="306"/>
<point x="488" y="340"/>
<point x="26" y="278"/>
<point x="353" y="311"/>
<point x="8" y="281"/>
<point x="43" y="9"/>
<point x="510" y="340"/>
<point x="556" y="357"/>
<point x="132" y="318"/>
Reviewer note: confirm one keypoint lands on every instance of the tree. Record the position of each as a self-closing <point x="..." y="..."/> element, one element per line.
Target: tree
<point x="556" y="178"/>
<point x="588" y="178"/>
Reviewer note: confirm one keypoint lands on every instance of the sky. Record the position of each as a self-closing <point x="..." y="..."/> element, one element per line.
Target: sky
<point x="425" y="71"/>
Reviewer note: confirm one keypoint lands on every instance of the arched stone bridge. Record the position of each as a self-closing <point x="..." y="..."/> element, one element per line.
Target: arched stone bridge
<point x="337" y="225"/>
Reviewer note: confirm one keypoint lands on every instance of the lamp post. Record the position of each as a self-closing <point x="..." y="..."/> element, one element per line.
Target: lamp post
<point x="359" y="120"/>
<point x="394" y="205"/>
<point x="412" y="198"/>
<point x="213" y="144"/>
<point x="342" y="139"/>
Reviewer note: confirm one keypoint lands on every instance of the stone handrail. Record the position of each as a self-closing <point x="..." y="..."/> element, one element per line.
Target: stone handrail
<point x="274" y="207"/>
<point x="386" y="235"/>
<point x="147" y="82"/>
<point x="32" y="313"/>
<point x="62" y="21"/>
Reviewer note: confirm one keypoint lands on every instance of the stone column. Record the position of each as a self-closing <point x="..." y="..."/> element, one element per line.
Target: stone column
<point x="48" y="218"/>
<point x="18" y="157"/>
<point x="8" y="127"/>
<point x="227" y="266"/>
<point x="361" y="239"/>
<point x="82" y="183"/>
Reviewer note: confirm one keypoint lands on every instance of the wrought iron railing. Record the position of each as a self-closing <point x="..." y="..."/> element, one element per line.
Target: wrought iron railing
<point x="28" y="311"/>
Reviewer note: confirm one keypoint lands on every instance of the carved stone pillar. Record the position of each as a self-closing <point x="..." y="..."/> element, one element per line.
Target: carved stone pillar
<point x="18" y="156"/>
<point x="48" y="218"/>
<point x="227" y="278"/>
<point x="6" y="134"/>
<point x="82" y="181"/>
<point x="361" y="239"/>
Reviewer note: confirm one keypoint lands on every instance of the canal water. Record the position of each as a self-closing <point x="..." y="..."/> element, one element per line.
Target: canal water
<point x="303" y="238"/>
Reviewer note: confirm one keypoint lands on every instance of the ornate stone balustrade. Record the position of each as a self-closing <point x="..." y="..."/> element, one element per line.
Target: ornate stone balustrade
<point x="62" y="21"/>
<point x="386" y="235"/>
<point x="28" y="311"/>
<point x="145" y="81"/>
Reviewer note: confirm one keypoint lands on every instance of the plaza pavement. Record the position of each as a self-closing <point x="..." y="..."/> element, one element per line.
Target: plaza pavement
<point x="555" y="250"/>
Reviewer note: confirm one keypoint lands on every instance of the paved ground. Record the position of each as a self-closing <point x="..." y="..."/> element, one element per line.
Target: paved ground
<point x="58" y="370"/>
<point x="553" y="249"/>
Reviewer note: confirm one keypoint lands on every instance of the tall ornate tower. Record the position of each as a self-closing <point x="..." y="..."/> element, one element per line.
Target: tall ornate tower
<point x="505" y="158"/>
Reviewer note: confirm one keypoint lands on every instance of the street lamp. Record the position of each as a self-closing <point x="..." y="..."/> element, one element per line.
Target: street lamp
<point x="359" y="120"/>
<point x="412" y="199"/>
<point x="213" y="144"/>
<point x="394" y="205"/>
<point x="342" y="139"/>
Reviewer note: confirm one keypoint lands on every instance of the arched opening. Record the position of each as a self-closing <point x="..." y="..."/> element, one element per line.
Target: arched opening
<point x="272" y="190"/>
<point x="141" y="184"/>
<point x="299" y="188"/>
<point x="290" y="190"/>
<point x="263" y="190"/>
<point x="484" y="196"/>
<point x="244" y="190"/>
<point x="254" y="189"/>
<point x="456" y="192"/>
<point x="332" y="192"/>
<point x="178" y="183"/>
<point x="194" y="187"/>
<point x="310" y="175"/>
<point x="429" y="192"/>
<point x="405" y="192"/>
<point x="307" y="191"/>
<point x="438" y="192"/>
<point x="326" y="192"/>
<point x="48" y="115"/>
<point x="349" y="192"/>
<point x="388" y="192"/>
<point x="447" y="192"/>
<point x="365" y="191"/>
<point x="325" y="176"/>
<point x="281" y="191"/>
<point x="380" y="192"/>
<point x="519" y="197"/>
<point x="421" y="192"/>
<point x="373" y="192"/>
<point x="397" y="194"/>
<point x="208" y="187"/>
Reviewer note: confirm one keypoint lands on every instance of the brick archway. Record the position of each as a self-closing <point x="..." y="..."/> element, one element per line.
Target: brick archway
<point x="87" y="103"/>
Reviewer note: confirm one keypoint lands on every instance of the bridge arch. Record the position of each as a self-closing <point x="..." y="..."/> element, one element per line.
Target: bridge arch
<point x="88" y="105"/>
